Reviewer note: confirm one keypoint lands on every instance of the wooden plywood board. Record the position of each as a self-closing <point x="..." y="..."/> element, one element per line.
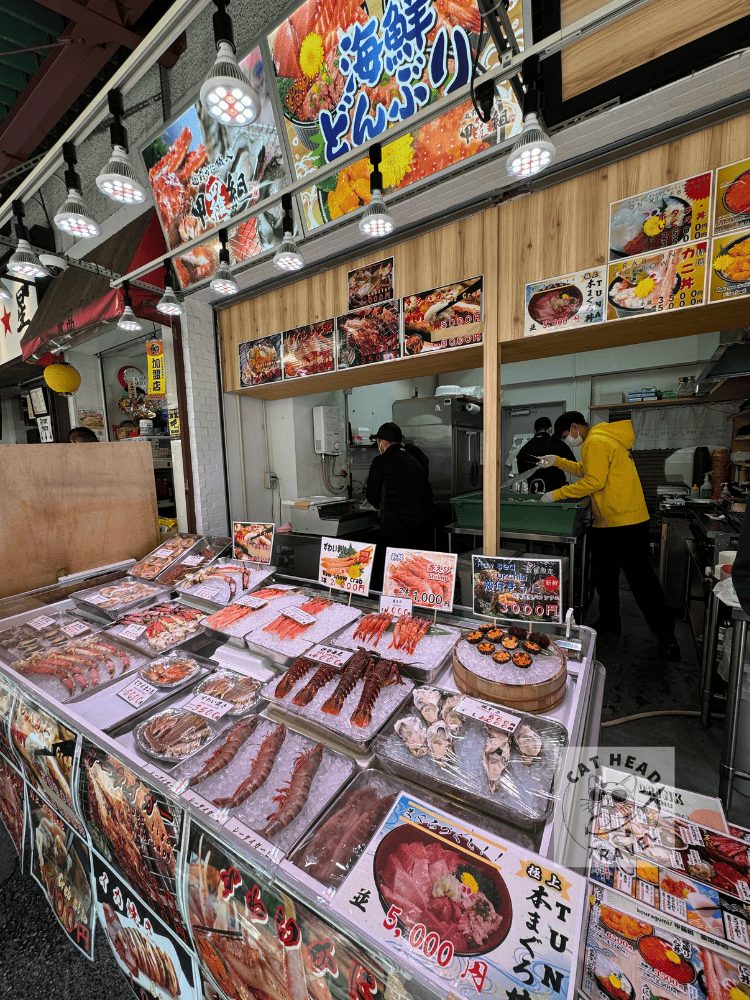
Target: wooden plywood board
<point x="646" y="34"/>
<point x="67" y="508"/>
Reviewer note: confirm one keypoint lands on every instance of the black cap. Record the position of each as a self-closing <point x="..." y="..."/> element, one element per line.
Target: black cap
<point x="388" y="432"/>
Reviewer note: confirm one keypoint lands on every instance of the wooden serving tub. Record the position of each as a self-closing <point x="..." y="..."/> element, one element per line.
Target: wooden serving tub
<point x="534" y="698"/>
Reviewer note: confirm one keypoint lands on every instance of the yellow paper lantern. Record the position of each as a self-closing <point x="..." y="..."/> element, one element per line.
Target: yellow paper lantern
<point x="62" y="378"/>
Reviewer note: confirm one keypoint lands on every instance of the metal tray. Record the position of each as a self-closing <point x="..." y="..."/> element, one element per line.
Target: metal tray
<point x="165" y="661"/>
<point x="286" y="652"/>
<point x="172" y="713"/>
<point x="220" y="684"/>
<point x="235" y="633"/>
<point x="526" y="792"/>
<point x="236" y="570"/>
<point x="168" y="558"/>
<point x="428" y="658"/>
<point x="83" y="598"/>
<point x="142" y="644"/>
<point x="42" y="632"/>
<point x="216" y="543"/>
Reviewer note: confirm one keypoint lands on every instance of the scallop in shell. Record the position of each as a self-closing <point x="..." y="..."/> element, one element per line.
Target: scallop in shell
<point x="440" y="742"/>
<point x="427" y="703"/>
<point x="495" y="755"/>
<point x="414" y="734"/>
<point x="453" y="720"/>
<point x="528" y="742"/>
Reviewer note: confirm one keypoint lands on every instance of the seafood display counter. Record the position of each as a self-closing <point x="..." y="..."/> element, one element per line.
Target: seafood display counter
<point x="288" y="812"/>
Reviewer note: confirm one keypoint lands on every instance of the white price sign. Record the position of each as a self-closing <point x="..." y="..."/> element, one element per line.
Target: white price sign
<point x="42" y="622"/>
<point x="302" y="617"/>
<point x="398" y="606"/>
<point x="489" y="714"/>
<point x="207" y="593"/>
<point x="132" y="632"/>
<point x="330" y="654"/>
<point x="248" y="601"/>
<point x="137" y="692"/>
<point x="96" y="599"/>
<point x="192" y="560"/>
<point x="75" y="628"/>
<point x="161" y="553"/>
<point x="209" y="707"/>
<point x="646" y="892"/>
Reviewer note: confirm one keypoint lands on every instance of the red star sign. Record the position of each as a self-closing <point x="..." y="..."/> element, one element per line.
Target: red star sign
<point x="6" y="321"/>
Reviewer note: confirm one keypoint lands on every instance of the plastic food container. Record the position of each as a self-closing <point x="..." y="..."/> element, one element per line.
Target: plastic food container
<point x="170" y="672"/>
<point x="180" y="734"/>
<point x="158" y="628"/>
<point x="111" y="601"/>
<point x="526" y="512"/>
<point x="223" y="582"/>
<point x="208" y="548"/>
<point x="521" y="794"/>
<point x="242" y="691"/>
<point x="43" y="632"/>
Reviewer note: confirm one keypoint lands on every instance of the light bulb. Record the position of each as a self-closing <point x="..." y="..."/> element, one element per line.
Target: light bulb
<point x="227" y="94"/>
<point x="223" y="281"/>
<point x="73" y="218"/>
<point x="287" y="257"/>
<point x="119" y="181"/>
<point x="129" y="320"/>
<point x="532" y="152"/>
<point x="169" y="304"/>
<point x="25" y="262"/>
<point x="376" y="220"/>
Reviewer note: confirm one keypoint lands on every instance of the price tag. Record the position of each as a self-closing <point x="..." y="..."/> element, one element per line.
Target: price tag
<point x="192" y="560"/>
<point x="96" y="599"/>
<point x="490" y="714"/>
<point x="137" y="692"/>
<point x="198" y="802"/>
<point x="743" y="891"/>
<point x="75" y="628"/>
<point x="162" y="553"/>
<point x="207" y="593"/>
<point x="252" y="839"/>
<point x="42" y="622"/>
<point x="737" y="930"/>
<point x="209" y="707"/>
<point x="676" y="861"/>
<point x="132" y="632"/>
<point x="302" y="617"/>
<point x="646" y="892"/>
<point x="248" y="601"/>
<point x="398" y="606"/>
<point x="330" y="654"/>
<point x="624" y="882"/>
<point x="675" y="906"/>
<point x="690" y="833"/>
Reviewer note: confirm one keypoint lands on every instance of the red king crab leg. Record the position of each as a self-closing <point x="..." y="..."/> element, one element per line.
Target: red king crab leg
<point x="225" y="753"/>
<point x="292" y="799"/>
<point x="259" y="770"/>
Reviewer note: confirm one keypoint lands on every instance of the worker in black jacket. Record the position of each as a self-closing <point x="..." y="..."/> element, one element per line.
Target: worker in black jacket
<point x="741" y="567"/>
<point x="544" y="443"/>
<point x="398" y="487"/>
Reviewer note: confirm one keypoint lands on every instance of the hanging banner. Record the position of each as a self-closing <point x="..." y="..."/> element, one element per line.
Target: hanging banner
<point x="155" y="354"/>
<point x="676" y="213"/>
<point x="730" y="266"/>
<point x="732" y="205"/>
<point x="564" y="303"/>
<point x="517" y="587"/>
<point x="437" y="319"/>
<point x="428" y="578"/>
<point x="156" y="963"/>
<point x="253" y="541"/>
<point x="13" y="804"/>
<point x="669" y="279"/>
<point x="60" y="864"/>
<point x="371" y="283"/>
<point x="345" y="565"/>
<point x="260" y="361"/>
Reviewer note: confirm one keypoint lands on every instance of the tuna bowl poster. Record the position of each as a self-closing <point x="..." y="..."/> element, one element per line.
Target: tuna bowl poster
<point x="468" y="912"/>
<point x="564" y="303"/>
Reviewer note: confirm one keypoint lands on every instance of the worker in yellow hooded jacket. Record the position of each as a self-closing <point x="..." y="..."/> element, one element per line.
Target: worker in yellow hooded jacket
<point x="620" y="532"/>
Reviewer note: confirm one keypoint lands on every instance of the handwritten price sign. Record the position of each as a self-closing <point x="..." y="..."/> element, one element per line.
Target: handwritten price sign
<point x="489" y="714"/>
<point x="248" y="601"/>
<point x="192" y="560"/>
<point x="330" y="654"/>
<point x="137" y="692"/>
<point x="209" y="707"/>
<point x="398" y="606"/>
<point x="75" y="628"/>
<point x="299" y="616"/>
<point x="132" y="632"/>
<point x="42" y="622"/>
<point x="430" y="944"/>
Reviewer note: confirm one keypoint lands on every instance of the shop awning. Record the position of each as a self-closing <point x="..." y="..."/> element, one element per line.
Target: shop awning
<point x="78" y="301"/>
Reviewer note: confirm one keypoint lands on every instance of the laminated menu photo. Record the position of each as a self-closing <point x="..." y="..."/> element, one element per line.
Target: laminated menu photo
<point x="474" y="914"/>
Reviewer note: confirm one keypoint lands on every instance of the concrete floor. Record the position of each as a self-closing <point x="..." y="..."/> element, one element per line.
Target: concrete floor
<point x="38" y="962"/>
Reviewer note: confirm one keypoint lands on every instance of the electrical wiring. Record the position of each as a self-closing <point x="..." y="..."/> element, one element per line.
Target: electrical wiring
<point x="328" y="486"/>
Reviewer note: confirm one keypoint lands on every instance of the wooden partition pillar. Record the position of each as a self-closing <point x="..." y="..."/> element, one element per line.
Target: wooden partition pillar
<point x="492" y="407"/>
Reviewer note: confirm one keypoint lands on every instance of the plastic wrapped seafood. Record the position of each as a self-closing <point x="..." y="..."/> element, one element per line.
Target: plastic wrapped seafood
<point x="41" y="633"/>
<point x="158" y="628"/>
<point x="111" y="600"/>
<point x="296" y="629"/>
<point x="79" y="667"/>
<point x="416" y="642"/>
<point x="170" y="671"/>
<point x="224" y="581"/>
<point x="173" y="734"/>
<point x="167" y="553"/>
<point x="353" y="702"/>
<point x="509" y="772"/>
<point x="238" y="619"/>
<point x="204" y="553"/>
<point x="243" y="692"/>
<point x="277" y="782"/>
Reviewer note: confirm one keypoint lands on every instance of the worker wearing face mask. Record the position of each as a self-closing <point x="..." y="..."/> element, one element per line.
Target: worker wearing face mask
<point x="620" y="532"/>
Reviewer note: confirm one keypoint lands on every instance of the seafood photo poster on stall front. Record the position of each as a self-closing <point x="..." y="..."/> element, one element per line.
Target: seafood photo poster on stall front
<point x="60" y="864"/>
<point x="732" y="205"/>
<point x="156" y="963"/>
<point x="730" y="266"/>
<point x="428" y="578"/>
<point x="260" y="361"/>
<point x="667" y="279"/>
<point x="371" y="283"/>
<point x="369" y="334"/>
<point x="345" y="565"/>
<point x="308" y="350"/>
<point x="474" y="915"/>
<point x="566" y="302"/>
<point x="253" y="540"/>
<point x="429" y="316"/>
<point x="664" y="217"/>
<point x="13" y="804"/>
<point x="518" y="587"/>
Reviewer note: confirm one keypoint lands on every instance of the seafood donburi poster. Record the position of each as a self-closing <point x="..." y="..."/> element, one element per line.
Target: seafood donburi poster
<point x="732" y="206"/>
<point x="668" y="279"/>
<point x="664" y="217"/>
<point x="345" y="565"/>
<point x="474" y="915"/>
<point x="429" y="316"/>
<point x="730" y="266"/>
<point x="566" y="302"/>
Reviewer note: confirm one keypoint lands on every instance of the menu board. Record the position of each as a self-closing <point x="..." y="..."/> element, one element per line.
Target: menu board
<point x="253" y="540"/>
<point x="428" y="578"/>
<point x="155" y="962"/>
<point x="667" y="279"/>
<point x="668" y="215"/>
<point x="472" y="915"/>
<point x="308" y="350"/>
<point x="517" y="587"/>
<point x="203" y="173"/>
<point x="60" y="864"/>
<point x="260" y="361"/>
<point x="369" y="334"/>
<point x="730" y="266"/>
<point x="371" y="283"/>
<point x="732" y="205"/>
<point x="564" y="303"/>
<point x="428" y="316"/>
<point x="13" y="804"/>
<point x="345" y="565"/>
<point x="702" y="809"/>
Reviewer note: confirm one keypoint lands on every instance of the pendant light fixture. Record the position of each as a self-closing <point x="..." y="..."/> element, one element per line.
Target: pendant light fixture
<point x="533" y="151"/>
<point x="24" y="263"/>
<point x="223" y="281"/>
<point x="227" y="94"/>
<point x="5" y="293"/>
<point x="72" y="216"/>
<point x="118" y="180"/>
<point x="128" y="320"/>
<point x="376" y="221"/>
<point x="288" y="257"/>
<point x="169" y="304"/>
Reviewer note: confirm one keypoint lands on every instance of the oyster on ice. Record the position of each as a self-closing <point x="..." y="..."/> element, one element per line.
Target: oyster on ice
<point x="440" y="743"/>
<point x="528" y="742"/>
<point x="427" y="703"/>
<point x="452" y="719"/>
<point x="414" y="734"/>
<point x="495" y="755"/>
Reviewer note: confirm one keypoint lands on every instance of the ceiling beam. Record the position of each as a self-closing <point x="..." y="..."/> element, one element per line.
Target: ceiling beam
<point x="96" y="25"/>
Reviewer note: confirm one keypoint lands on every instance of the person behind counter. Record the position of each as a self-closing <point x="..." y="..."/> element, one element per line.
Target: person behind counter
<point x="398" y="486"/>
<point x="82" y="435"/>
<point x="620" y="532"/>
<point x="544" y="443"/>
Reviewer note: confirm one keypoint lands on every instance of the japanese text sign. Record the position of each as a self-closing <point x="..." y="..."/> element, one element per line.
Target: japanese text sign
<point x="437" y="319"/>
<point x="730" y="266"/>
<point x="652" y="283"/>
<point x="260" y="361"/>
<point x="732" y="205"/>
<point x="345" y="565"/>
<point x="517" y="587"/>
<point x="672" y="214"/>
<point x="428" y="578"/>
<point x="155" y="355"/>
<point x="253" y="540"/>
<point x="572" y="300"/>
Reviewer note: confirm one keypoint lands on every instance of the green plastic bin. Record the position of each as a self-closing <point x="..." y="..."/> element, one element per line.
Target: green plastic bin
<point x="526" y="512"/>
<point x="469" y="509"/>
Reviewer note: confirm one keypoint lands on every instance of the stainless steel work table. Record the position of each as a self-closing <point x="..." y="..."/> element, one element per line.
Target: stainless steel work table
<point x="727" y="770"/>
